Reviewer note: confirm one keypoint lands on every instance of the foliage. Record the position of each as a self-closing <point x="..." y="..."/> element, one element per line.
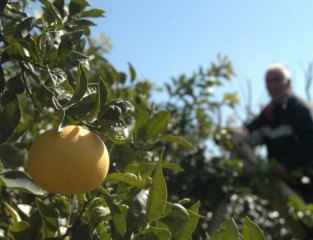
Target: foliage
<point x="54" y="73"/>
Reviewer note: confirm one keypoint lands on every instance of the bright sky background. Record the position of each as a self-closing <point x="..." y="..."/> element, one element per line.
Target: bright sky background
<point x="165" y="38"/>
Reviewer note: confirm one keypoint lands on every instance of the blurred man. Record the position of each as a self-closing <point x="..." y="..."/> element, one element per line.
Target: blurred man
<point x="285" y="126"/>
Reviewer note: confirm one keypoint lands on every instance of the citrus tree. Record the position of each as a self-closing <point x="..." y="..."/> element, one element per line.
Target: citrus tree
<point x="67" y="117"/>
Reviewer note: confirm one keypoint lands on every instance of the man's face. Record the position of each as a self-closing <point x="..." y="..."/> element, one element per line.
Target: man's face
<point x="276" y="85"/>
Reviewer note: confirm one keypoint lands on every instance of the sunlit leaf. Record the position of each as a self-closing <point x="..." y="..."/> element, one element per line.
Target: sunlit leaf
<point x="173" y="166"/>
<point x="20" y="180"/>
<point x="13" y="212"/>
<point x="178" y="140"/>
<point x="102" y="231"/>
<point x="51" y="13"/>
<point x="227" y="231"/>
<point x="252" y="231"/>
<point x="141" y="121"/>
<point x="132" y="72"/>
<point x="158" y="194"/>
<point x="20" y="230"/>
<point x="126" y="178"/>
<point x="156" y="233"/>
<point x="157" y="125"/>
<point x="102" y="95"/>
<point x="190" y="226"/>
<point x="23" y="28"/>
<point x="98" y="214"/>
<point x="92" y="13"/>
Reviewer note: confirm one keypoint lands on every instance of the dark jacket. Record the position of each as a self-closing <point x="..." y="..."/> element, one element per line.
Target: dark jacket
<point x="287" y="131"/>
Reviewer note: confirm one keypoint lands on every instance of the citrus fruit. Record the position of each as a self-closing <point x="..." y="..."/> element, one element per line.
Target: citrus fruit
<point x="72" y="161"/>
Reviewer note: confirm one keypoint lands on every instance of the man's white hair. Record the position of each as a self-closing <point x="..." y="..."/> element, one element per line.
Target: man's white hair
<point x="282" y="69"/>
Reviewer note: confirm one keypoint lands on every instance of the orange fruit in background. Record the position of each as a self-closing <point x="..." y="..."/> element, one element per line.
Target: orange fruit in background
<point x="72" y="161"/>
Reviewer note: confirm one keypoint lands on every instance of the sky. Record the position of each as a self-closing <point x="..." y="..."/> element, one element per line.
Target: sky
<point x="165" y="38"/>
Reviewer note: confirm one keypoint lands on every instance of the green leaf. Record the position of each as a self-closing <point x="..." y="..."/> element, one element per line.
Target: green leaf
<point x="126" y="178"/>
<point x="20" y="230"/>
<point x="49" y="217"/>
<point x="20" y="180"/>
<point x="157" y="194"/>
<point x="13" y="52"/>
<point x="68" y="43"/>
<point x="51" y="13"/>
<point x="58" y="76"/>
<point x="14" y="214"/>
<point x="119" y="223"/>
<point x="228" y="231"/>
<point x="81" y="84"/>
<point x="252" y="231"/>
<point x="156" y="233"/>
<point x="231" y="99"/>
<point x="76" y="6"/>
<point x="10" y="115"/>
<point x="94" y="13"/>
<point x="179" y="140"/>
<point x="83" y="23"/>
<point x="136" y="216"/>
<point x="141" y="121"/>
<point x="73" y="60"/>
<point x="176" y="216"/>
<point x="10" y="156"/>
<point x="173" y="166"/>
<point x="132" y="72"/>
<point x="98" y="214"/>
<point x="176" y="212"/>
<point x="102" y="231"/>
<point x="83" y="107"/>
<point x="102" y="95"/>
<point x="23" y="29"/>
<point x="59" y="4"/>
<point x="191" y="225"/>
<point x="99" y="99"/>
<point x="15" y="84"/>
<point x="145" y="169"/>
<point x="157" y="125"/>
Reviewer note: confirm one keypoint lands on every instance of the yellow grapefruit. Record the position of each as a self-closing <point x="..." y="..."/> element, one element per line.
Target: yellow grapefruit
<point x="72" y="161"/>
